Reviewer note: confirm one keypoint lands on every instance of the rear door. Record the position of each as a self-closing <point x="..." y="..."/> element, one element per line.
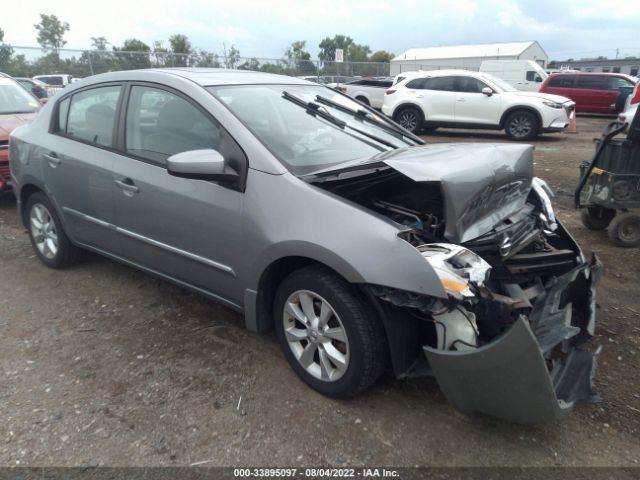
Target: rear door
<point x="436" y="95"/>
<point x="595" y="94"/>
<point x="474" y="107"/>
<point x="186" y="229"/>
<point x="77" y="159"/>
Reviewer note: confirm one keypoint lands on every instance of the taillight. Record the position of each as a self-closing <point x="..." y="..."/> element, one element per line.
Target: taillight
<point x="391" y="91"/>
<point x="636" y="97"/>
<point x="343" y="89"/>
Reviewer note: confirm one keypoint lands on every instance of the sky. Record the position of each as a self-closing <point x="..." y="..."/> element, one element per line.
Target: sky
<point x="264" y="29"/>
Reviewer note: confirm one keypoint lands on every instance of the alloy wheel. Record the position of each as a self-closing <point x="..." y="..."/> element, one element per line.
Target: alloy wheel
<point x="316" y="335"/>
<point x="43" y="230"/>
<point x="520" y="126"/>
<point x="408" y="120"/>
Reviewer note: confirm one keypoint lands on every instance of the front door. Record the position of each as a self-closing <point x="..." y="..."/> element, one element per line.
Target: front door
<point x="474" y="107"/>
<point x="186" y="229"/>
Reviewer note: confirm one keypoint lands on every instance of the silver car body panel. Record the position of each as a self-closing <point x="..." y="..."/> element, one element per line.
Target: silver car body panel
<point x="220" y="241"/>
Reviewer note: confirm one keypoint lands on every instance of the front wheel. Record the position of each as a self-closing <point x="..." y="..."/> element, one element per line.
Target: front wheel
<point x="410" y="119"/>
<point x="624" y="230"/>
<point x="522" y="125"/>
<point x="330" y="336"/>
<point x="48" y="238"/>
<point x="597" y="218"/>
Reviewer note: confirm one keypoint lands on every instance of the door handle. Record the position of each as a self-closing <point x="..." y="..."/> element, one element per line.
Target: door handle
<point x="419" y="96"/>
<point x="461" y="100"/>
<point x="127" y="186"/>
<point x="52" y="158"/>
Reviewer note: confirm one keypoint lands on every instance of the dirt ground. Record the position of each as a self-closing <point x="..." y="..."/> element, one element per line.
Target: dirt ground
<point x="104" y="365"/>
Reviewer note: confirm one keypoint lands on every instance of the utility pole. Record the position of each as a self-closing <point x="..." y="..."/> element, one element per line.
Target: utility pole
<point x="617" y="53"/>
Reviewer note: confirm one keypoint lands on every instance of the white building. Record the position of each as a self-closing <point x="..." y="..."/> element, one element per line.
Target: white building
<point x="468" y="57"/>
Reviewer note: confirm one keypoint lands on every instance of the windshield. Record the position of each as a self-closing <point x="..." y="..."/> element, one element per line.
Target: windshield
<point x="498" y="82"/>
<point x="310" y="128"/>
<point x="15" y="99"/>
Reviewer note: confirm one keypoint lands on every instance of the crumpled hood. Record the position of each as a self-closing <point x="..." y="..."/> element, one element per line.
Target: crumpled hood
<point x="543" y="96"/>
<point x="10" y="121"/>
<point x="482" y="183"/>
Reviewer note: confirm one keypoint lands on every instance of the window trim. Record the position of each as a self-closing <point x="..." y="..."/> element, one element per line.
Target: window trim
<point x="121" y="134"/>
<point x="53" y="123"/>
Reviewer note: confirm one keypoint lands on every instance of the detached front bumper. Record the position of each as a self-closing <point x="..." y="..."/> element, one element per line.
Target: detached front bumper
<point x="534" y="372"/>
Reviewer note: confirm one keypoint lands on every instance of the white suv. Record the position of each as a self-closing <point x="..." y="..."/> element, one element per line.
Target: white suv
<point x="465" y="99"/>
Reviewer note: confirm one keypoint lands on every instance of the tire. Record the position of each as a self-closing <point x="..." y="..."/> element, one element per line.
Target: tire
<point x="522" y="125"/>
<point x="409" y="118"/>
<point x="363" y="100"/>
<point x="357" y="334"/>
<point x="597" y="218"/>
<point x="624" y="230"/>
<point x="48" y="238"/>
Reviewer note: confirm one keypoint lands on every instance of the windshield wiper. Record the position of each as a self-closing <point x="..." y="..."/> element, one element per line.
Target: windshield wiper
<point x="315" y="109"/>
<point x="363" y="113"/>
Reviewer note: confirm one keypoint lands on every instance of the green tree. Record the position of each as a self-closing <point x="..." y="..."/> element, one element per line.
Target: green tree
<point x="99" y="43"/>
<point x="181" y="46"/>
<point x="206" y="59"/>
<point x="1" y="35"/>
<point x="232" y="57"/>
<point x="357" y="53"/>
<point x="381" y="56"/>
<point x="51" y="32"/>
<point x="297" y="51"/>
<point x="6" y="52"/>
<point x="252" y="64"/>
<point x="329" y="45"/>
<point x="133" y="54"/>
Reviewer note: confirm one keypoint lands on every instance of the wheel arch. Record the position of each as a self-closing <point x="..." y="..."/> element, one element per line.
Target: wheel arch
<point x="405" y="104"/>
<point x="516" y="108"/>
<point x="26" y="191"/>
<point x="259" y="303"/>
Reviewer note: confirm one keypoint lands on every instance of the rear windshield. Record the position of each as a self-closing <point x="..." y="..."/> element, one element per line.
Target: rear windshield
<point x="15" y="99"/>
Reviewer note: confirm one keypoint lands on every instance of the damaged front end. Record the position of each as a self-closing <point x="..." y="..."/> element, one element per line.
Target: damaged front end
<point x="520" y="295"/>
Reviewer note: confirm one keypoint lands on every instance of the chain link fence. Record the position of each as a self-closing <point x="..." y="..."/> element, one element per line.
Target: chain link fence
<point x="20" y="61"/>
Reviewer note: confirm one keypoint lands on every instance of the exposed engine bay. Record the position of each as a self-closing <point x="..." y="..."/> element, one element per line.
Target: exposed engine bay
<point x="522" y="285"/>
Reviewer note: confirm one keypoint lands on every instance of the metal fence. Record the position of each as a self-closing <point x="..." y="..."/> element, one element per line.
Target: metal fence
<point x="20" y="61"/>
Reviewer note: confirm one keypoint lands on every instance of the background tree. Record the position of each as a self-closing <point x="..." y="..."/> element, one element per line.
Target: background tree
<point x="328" y="47"/>
<point x="181" y="46"/>
<point x="381" y="56"/>
<point x="357" y="53"/>
<point x="51" y="32"/>
<point x="298" y="59"/>
<point x="99" y="43"/>
<point x="139" y="59"/>
<point x="231" y="57"/>
<point x="6" y="52"/>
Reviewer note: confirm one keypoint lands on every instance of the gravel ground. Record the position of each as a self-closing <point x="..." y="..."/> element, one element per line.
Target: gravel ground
<point x="104" y="365"/>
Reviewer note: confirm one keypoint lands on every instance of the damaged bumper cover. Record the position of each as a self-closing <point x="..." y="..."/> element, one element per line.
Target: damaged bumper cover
<point x="517" y="376"/>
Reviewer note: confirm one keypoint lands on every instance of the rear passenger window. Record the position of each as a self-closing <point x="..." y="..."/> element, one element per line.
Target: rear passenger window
<point x="416" y="83"/>
<point x="562" y="81"/>
<point x="593" y="82"/>
<point x="160" y="124"/>
<point x="92" y="115"/>
<point x="440" y="83"/>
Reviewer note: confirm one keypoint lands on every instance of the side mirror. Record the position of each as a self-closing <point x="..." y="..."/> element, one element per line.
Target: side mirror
<point x="538" y="79"/>
<point x="205" y="164"/>
<point x="43" y="101"/>
<point x="487" y="91"/>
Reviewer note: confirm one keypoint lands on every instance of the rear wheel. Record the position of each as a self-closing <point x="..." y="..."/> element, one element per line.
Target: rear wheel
<point x="410" y="119"/>
<point x="330" y="336"/>
<point x="363" y="100"/>
<point x="48" y="238"/>
<point x="522" y="125"/>
<point x="597" y="218"/>
<point x="624" y="230"/>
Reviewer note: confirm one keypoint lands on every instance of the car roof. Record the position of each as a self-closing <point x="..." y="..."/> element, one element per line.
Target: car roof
<point x="204" y="76"/>
<point x="440" y="73"/>
<point x="607" y="74"/>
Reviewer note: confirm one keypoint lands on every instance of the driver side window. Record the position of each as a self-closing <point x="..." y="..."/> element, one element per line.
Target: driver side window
<point x="160" y="124"/>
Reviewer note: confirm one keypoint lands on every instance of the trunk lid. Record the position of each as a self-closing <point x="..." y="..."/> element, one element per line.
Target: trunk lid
<point x="482" y="183"/>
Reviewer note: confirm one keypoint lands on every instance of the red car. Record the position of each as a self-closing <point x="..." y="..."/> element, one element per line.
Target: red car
<point x="593" y="92"/>
<point x="17" y="107"/>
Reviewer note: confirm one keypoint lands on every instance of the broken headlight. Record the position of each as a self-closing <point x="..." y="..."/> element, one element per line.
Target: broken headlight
<point x="456" y="268"/>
